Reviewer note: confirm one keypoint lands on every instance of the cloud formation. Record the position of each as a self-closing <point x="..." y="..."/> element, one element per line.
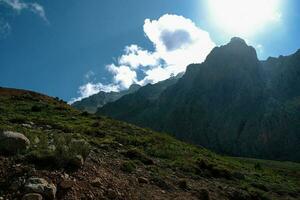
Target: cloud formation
<point x="4" y="29"/>
<point x="19" y="6"/>
<point x="90" y="89"/>
<point x="177" y="43"/>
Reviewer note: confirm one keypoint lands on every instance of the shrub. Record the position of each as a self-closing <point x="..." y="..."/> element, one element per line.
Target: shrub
<point x="36" y="108"/>
<point x="85" y="114"/>
<point x="128" y="167"/>
<point x="67" y="149"/>
<point x="65" y="152"/>
<point x="137" y="155"/>
<point x="95" y="132"/>
<point x="18" y="120"/>
<point x="257" y="166"/>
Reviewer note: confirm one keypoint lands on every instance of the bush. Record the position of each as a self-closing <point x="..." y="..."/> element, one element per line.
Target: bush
<point x="257" y="166"/>
<point x="137" y="155"/>
<point x="128" y="167"/>
<point x="67" y="149"/>
<point x="85" y="114"/>
<point x="95" y="132"/>
<point x="65" y="152"/>
<point x="36" y="108"/>
<point x="18" y="120"/>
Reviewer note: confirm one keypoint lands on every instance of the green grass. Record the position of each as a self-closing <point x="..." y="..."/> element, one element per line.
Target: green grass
<point x="60" y="132"/>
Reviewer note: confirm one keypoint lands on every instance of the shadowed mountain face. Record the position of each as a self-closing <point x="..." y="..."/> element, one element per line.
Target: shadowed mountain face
<point x="92" y="103"/>
<point x="231" y="103"/>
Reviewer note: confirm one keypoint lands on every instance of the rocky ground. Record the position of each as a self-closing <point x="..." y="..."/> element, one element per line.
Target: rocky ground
<point x="51" y="151"/>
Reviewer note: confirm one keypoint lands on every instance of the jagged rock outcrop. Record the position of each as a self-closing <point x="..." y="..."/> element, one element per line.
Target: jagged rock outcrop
<point x="231" y="103"/>
<point x="92" y="103"/>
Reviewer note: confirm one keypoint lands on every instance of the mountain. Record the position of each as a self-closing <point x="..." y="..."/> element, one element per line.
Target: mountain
<point x="231" y="103"/>
<point x="49" y="150"/>
<point x="92" y="103"/>
<point x="132" y="105"/>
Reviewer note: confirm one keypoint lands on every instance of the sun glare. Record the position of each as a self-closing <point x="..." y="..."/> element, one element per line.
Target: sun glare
<point x="244" y="17"/>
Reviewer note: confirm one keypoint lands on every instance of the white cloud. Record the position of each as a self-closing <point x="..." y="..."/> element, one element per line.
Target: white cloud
<point x="177" y="43"/>
<point x="90" y="88"/>
<point x="136" y="57"/>
<point x="4" y="29"/>
<point x="260" y="48"/>
<point x="89" y="75"/>
<point x="124" y="77"/>
<point x="19" y="6"/>
<point x="39" y="10"/>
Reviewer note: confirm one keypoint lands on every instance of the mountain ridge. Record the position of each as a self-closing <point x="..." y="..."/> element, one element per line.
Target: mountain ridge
<point x="230" y="103"/>
<point x="92" y="103"/>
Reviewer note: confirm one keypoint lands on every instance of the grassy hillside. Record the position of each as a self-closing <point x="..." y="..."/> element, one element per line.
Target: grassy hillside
<point x="123" y="161"/>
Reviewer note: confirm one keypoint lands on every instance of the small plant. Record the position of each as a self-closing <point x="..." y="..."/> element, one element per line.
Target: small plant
<point x="36" y="108"/>
<point x="18" y="120"/>
<point x="85" y="114"/>
<point x="257" y="166"/>
<point x="128" y="167"/>
<point x="137" y="155"/>
<point x="63" y="152"/>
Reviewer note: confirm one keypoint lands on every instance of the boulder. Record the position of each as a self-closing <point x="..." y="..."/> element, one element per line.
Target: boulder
<point x="13" y="142"/>
<point x="77" y="161"/>
<point x="41" y="186"/>
<point x="143" y="180"/>
<point x="183" y="184"/>
<point x="32" y="196"/>
<point x="66" y="184"/>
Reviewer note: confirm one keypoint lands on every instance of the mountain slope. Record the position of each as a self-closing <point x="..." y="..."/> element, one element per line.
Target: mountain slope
<point x="122" y="161"/>
<point x="232" y="103"/>
<point x="130" y="106"/>
<point x="92" y="103"/>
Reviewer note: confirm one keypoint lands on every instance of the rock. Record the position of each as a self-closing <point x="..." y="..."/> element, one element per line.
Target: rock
<point x="32" y="196"/>
<point x="16" y="185"/>
<point x="41" y="186"/>
<point x="27" y="126"/>
<point x="112" y="194"/>
<point x="52" y="147"/>
<point x="66" y="184"/>
<point x="260" y="186"/>
<point x="48" y="127"/>
<point x="238" y="175"/>
<point x="77" y="161"/>
<point x="143" y="180"/>
<point x="78" y="142"/>
<point x="203" y="194"/>
<point x="36" y="140"/>
<point x="183" y="184"/>
<point x="240" y="195"/>
<point x="96" y="182"/>
<point x="13" y="142"/>
<point x="31" y="123"/>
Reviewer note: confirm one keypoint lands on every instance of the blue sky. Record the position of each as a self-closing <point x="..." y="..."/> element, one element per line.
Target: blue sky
<point x="54" y="46"/>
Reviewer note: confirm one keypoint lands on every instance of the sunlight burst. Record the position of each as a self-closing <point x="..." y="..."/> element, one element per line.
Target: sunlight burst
<point x="244" y="17"/>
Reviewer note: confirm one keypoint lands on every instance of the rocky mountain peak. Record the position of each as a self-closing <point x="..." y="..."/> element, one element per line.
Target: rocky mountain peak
<point x="236" y="50"/>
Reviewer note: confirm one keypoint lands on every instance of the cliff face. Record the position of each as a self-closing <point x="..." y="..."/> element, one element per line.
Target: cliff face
<point x="231" y="103"/>
<point x="92" y="103"/>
